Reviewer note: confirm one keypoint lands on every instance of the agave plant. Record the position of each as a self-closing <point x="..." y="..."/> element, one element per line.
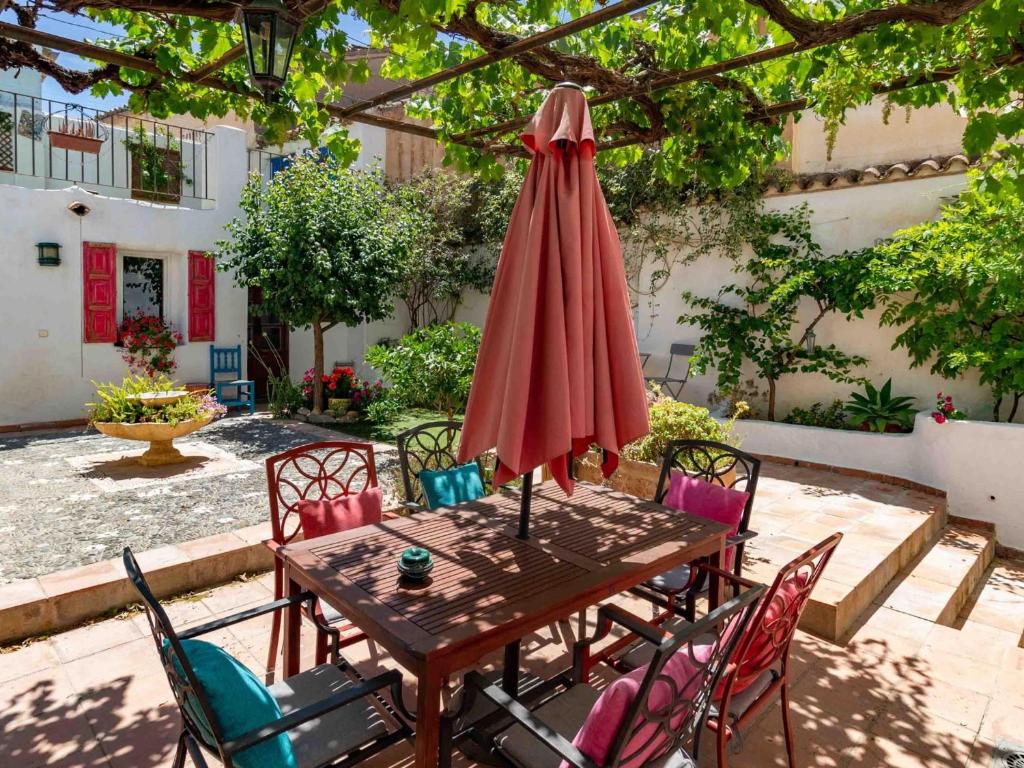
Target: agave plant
<point x="877" y="409"/>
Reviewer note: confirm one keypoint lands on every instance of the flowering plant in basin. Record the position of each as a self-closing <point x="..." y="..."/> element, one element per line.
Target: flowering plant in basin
<point x="121" y="403"/>
<point x="148" y="344"/>
<point x="945" y="410"/>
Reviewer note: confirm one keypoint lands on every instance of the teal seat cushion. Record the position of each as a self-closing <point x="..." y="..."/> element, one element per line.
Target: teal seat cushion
<point x="240" y="703"/>
<point x="452" y="486"/>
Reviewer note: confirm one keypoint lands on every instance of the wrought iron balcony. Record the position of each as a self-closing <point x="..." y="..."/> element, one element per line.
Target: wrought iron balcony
<point x="51" y="144"/>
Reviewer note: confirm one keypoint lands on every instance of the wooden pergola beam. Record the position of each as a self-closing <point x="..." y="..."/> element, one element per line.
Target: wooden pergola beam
<point x="941" y="75"/>
<point x="522" y="45"/>
<point x="197" y="74"/>
<point x="129" y="61"/>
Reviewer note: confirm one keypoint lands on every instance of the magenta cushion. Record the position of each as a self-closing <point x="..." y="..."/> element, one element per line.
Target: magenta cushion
<point x="708" y="500"/>
<point x="598" y="733"/>
<point x="326" y="516"/>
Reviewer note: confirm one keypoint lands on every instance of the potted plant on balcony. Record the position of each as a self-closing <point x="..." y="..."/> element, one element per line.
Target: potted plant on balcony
<point x="640" y="461"/>
<point x="79" y="135"/>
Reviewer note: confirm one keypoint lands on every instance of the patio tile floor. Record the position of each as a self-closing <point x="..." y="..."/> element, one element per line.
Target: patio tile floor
<point x="900" y="692"/>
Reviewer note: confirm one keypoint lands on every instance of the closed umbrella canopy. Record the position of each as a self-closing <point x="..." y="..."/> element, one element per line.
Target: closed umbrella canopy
<point x="558" y="367"/>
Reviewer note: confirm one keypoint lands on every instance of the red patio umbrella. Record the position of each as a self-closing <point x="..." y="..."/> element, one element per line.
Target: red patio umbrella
<point x="558" y="367"/>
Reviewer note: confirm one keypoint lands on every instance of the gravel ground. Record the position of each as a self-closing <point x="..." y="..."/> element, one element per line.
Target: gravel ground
<point x="57" y="511"/>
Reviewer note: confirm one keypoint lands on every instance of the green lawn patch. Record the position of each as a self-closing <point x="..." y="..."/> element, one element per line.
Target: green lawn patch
<point x="385" y="433"/>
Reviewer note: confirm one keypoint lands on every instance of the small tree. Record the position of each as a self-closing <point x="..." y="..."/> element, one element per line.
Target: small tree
<point x="759" y="321"/>
<point x="440" y="265"/>
<point x="965" y="274"/>
<point x="324" y="244"/>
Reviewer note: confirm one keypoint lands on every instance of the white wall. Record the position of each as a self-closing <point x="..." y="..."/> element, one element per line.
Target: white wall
<point x="865" y="140"/>
<point x="977" y="464"/>
<point x="47" y="368"/>
<point x="843" y="219"/>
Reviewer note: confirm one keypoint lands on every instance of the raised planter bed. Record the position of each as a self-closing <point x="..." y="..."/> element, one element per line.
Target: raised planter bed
<point x="637" y="478"/>
<point x="977" y="464"/>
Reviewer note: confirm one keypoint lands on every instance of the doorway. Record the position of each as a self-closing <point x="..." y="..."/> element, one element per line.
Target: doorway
<point x="268" y="345"/>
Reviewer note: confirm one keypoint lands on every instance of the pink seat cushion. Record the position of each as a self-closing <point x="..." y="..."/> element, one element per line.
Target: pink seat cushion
<point x="596" y="737"/>
<point x="708" y="500"/>
<point x="326" y="516"/>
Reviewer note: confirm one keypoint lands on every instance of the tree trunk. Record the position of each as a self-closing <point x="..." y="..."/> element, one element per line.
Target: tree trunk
<point x="1016" y="402"/>
<point x="318" y="367"/>
<point x="771" y="399"/>
<point x="996" y="406"/>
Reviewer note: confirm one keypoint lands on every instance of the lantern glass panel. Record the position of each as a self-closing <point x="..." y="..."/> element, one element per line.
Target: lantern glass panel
<point x="259" y="28"/>
<point x="283" y="42"/>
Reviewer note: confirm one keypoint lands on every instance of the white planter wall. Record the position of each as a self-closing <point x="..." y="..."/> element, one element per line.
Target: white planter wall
<point x="979" y="465"/>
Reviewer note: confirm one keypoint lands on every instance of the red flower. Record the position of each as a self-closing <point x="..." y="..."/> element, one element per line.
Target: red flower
<point x="939" y="418"/>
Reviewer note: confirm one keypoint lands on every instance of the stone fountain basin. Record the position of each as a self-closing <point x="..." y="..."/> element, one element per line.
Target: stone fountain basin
<point x="159" y="436"/>
<point x="153" y="399"/>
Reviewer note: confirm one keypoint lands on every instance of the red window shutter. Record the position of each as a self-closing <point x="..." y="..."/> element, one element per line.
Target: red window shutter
<point x="99" y="275"/>
<point x="200" y="296"/>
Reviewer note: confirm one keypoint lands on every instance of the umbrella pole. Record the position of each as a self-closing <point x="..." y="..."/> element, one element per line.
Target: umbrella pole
<point x="524" y="506"/>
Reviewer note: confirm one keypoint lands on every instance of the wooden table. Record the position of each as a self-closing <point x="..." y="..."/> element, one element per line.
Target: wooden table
<point x="488" y="589"/>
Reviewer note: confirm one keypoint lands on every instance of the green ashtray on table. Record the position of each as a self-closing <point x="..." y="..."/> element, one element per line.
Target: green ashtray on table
<point x="415" y="563"/>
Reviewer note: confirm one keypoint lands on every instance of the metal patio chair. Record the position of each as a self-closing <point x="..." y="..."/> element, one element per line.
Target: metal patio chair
<point x="666" y="382"/>
<point x="662" y="720"/>
<point x="432" y="446"/>
<point x="759" y="669"/>
<point x="330" y="716"/>
<point x="315" y="471"/>
<point x="714" y="463"/>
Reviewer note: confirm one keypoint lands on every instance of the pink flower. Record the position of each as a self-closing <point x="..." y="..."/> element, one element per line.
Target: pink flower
<point x="939" y="418"/>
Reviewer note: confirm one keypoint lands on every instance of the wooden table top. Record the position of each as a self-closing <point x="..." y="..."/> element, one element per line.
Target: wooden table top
<point x="487" y="586"/>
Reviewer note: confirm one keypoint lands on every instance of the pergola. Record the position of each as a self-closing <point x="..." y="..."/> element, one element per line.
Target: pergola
<point x="536" y="53"/>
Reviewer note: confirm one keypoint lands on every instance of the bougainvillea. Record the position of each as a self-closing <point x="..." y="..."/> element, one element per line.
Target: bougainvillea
<point x="148" y="345"/>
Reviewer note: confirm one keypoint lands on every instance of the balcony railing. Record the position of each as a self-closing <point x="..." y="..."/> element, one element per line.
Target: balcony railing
<point x="264" y="163"/>
<point x="51" y="144"/>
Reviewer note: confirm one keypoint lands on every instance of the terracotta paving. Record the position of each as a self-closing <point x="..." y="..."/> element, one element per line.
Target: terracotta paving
<point x="898" y="691"/>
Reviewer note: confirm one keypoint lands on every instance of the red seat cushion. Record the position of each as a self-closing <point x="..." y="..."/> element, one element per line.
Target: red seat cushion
<point x="771" y="633"/>
<point x="708" y="500"/>
<point x="326" y="516"/>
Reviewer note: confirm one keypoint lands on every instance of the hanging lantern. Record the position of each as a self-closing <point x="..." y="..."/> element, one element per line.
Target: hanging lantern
<point x="269" y="31"/>
<point x="810" y="342"/>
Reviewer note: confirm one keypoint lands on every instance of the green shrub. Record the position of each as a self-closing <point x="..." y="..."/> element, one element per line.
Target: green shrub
<point x="672" y="420"/>
<point x="431" y="367"/>
<point x="384" y="409"/>
<point x="818" y="415"/>
<point x="284" y="396"/>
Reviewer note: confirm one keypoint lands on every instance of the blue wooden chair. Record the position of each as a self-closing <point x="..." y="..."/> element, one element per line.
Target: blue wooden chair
<point x="228" y="360"/>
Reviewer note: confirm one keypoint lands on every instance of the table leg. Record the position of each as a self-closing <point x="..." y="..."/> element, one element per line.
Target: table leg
<point x="428" y="720"/>
<point x="715" y="583"/>
<point x="292" y="629"/>
<point x="510" y="674"/>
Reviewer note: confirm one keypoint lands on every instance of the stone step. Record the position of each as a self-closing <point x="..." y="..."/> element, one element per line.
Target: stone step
<point x="938" y="585"/>
<point x="997" y="602"/>
<point x="885" y="528"/>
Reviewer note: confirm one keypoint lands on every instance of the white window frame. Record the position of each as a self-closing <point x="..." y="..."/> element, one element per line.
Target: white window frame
<point x="174" y="273"/>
